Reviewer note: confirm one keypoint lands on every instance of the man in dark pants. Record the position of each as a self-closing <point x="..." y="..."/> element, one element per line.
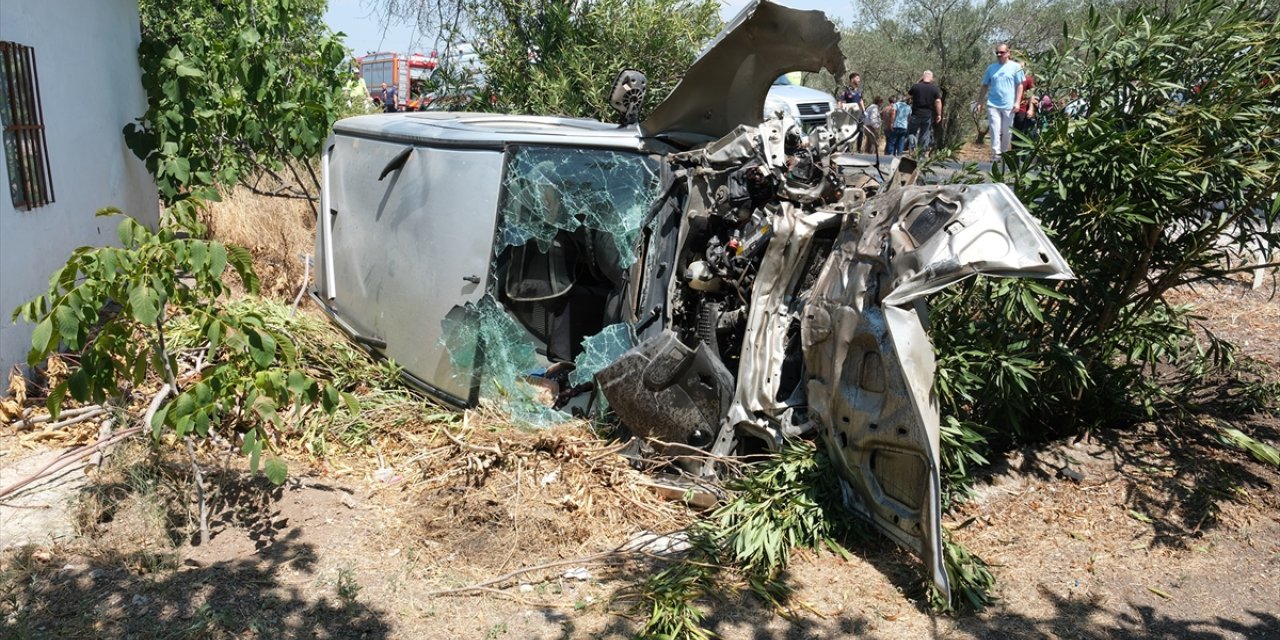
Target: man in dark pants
<point x="926" y="111"/>
<point x="390" y="99"/>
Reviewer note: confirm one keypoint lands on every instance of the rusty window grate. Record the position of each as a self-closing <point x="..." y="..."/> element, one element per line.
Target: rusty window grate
<point x="25" y="153"/>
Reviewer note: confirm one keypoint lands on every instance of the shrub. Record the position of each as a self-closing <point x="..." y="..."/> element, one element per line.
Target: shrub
<point x="1165" y="165"/>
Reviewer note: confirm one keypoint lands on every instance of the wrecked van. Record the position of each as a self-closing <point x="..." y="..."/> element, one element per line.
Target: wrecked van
<point x="718" y="282"/>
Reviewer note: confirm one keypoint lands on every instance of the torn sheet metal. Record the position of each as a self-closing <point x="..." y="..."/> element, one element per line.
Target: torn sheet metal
<point x="870" y="364"/>
<point x="726" y="86"/>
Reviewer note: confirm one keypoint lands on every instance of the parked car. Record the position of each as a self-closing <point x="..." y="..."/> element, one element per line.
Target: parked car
<point x="808" y="106"/>
<point x="722" y="282"/>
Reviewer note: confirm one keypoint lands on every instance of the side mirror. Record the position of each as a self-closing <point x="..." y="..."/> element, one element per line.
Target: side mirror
<point x="628" y="94"/>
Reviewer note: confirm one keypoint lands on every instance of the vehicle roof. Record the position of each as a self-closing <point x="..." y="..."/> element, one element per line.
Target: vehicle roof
<point x="489" y="129"/>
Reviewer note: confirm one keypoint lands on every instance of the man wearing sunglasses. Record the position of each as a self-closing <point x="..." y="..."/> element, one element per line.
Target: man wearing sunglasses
<point x="1001" y="91"/>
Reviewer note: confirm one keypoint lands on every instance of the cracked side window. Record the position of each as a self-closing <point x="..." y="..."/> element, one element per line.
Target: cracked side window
<point x="587" y="192"/>
<point x="569" y="222"/>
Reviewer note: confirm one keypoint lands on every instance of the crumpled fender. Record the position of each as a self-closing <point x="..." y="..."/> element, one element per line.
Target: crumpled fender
<point x="869" y="362"/>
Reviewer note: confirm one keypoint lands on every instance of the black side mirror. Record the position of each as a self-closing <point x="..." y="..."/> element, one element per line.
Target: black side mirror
<point x="627" y="96"/>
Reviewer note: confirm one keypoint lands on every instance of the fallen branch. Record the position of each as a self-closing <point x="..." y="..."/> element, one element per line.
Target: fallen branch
<point x="155" y="404"/>
<point x="27" y="423"/>
<point x="306" y="279"/>
<point x="104" y="432"/>
<point x="601" y="557"/>
<point x="84" y="417"/>
<point x="466" y="445"/>
<point x="75" y="455"/>
<point x="62" y="461"/>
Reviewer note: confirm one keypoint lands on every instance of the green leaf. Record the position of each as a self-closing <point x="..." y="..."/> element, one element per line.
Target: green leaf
<point x="127" y="231"/>
<point x="182" y="170"/>
<point x="78" y="385"/>
<point x="1139" y="516"/>
<point x="252" y="448"/>
<point x="276" y="470"/>
<point x="266" y="409"/>
<point x="199" y="255"/>
<point x="54" y="402"/>
<point x="262" y="348"/>
<point x="250" y="37"/>
<point x="298" y="382"/>
<point x="68" y="326"/>
<point x="242" y="261"/>
<point x="185" y="71"/>
<point x="144" y="302"/>
<point x="157" y="421"/>
<point x="353" y="404"/>
<point x="217" y="259"/>
<point x="215" y="335"/>
<point x="41" y="341"/>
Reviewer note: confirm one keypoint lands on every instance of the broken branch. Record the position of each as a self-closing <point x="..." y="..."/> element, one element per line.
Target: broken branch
<point x="604" y="556"/>
<point x="26" y="423"/>
<point x="467" y="445"/>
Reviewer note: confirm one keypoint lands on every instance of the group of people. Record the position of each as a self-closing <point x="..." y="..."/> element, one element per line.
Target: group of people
<point x="907" y="121"/>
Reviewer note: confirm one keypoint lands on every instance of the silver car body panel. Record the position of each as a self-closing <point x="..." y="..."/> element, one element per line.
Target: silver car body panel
<point x="489" y="130"/>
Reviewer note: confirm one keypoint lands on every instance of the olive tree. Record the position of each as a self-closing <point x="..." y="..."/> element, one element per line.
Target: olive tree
<point x="560" y="58"/>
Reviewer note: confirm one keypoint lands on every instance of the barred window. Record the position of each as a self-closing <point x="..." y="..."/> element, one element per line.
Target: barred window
<point x="26" y="155"/>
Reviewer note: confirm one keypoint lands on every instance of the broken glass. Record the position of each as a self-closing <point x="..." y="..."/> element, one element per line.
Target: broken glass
<point x="553" y="189"/>
<point x="488" y="341"/>
<point x="600" y="350"/>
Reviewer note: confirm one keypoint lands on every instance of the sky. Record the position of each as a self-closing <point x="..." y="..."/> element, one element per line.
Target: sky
<point x="357" y="19"/>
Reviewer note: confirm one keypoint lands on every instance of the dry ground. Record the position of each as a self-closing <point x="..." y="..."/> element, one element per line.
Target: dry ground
<point x="1160" y="534"/>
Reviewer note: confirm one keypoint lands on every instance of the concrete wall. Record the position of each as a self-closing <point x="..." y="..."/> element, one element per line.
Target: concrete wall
<point x="90" y="87"/>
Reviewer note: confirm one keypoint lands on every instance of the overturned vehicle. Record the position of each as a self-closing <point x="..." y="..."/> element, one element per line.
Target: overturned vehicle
<point x="718" y="282"/>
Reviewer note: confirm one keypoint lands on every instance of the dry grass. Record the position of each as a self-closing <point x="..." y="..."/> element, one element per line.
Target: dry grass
<point x="277" y="231"/>
<point x="501" y="497"/>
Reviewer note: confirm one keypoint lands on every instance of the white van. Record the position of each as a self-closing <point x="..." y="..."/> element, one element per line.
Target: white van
<point x="808" y="106"/>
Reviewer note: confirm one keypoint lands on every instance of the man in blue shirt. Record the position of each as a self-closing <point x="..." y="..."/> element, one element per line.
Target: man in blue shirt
<point x="901" y="111"/>
<point x="1001" y="92"/>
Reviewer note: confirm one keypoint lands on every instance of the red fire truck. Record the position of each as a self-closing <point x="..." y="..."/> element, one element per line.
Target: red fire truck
<point x="407" y="73"/>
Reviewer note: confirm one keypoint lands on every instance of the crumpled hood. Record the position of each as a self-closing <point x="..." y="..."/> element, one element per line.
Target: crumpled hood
<point x="726" y="86"/>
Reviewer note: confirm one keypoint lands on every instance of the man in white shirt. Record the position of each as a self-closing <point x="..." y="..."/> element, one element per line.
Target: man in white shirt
<point x="1001" y="91"/>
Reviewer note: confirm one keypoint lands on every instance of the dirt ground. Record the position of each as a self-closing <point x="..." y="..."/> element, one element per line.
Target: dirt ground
<point x="1149" y="533"/>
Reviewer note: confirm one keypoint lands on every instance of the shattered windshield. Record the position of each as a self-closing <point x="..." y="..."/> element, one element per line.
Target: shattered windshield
<point x="552" y="189"/>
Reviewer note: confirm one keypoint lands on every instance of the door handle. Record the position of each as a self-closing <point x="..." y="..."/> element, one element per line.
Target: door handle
<point x="472" y="279"/>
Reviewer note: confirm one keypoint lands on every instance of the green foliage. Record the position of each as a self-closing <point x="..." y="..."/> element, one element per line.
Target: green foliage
<point x="793" y="499"/>
<point x="117" y="307"/>
<point x="971" y="579"/>
<point x="550" y="57"/>
<point x="1259" y="450"/>
<point x="1169" y="167"/>
<point x="234" y="89"/>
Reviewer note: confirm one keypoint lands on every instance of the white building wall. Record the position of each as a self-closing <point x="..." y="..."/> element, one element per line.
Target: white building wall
<point x="90" y="87"/>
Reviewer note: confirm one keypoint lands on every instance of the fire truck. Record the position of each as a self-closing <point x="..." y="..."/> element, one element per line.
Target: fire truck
<point x="407" y="73"/>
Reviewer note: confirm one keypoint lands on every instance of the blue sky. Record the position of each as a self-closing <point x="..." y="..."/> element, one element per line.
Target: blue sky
<point x="358" y="20"/>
